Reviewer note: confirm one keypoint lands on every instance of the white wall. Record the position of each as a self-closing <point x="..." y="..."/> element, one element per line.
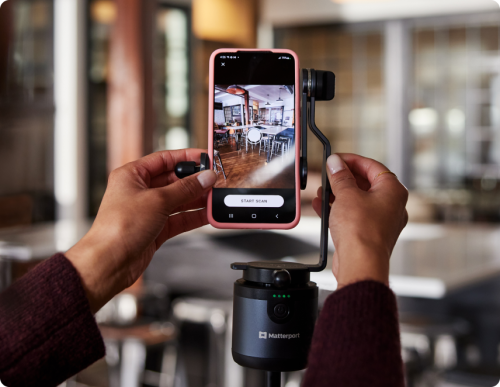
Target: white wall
<point x="301" y="12"/>
<point x="288" y="112"/>
<point x="219" y="117"/>
<point x="232" y="101"/>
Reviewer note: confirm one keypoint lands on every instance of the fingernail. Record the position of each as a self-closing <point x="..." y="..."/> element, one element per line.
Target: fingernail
<point x="335" y="164"/>
<point x="207" y="178"/>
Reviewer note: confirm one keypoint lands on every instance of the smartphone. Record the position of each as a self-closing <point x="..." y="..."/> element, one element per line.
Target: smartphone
<point x="254" y="143"/>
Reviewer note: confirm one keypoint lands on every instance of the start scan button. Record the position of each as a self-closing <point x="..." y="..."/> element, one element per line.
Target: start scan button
<point x="253" y="201"/>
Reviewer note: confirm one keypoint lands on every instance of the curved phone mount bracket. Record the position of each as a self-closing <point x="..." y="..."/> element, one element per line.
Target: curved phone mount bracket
<point x="316" y="86"/>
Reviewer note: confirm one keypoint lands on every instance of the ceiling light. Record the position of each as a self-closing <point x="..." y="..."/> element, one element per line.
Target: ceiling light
<point x="267" y="103"/>
<point x="279" y="98"/>
<point x="235" y="89"/>
<point x="103" y="11"/>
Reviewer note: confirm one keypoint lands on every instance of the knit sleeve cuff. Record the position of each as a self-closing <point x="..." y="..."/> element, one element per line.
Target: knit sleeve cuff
<point x="47" y="331"/>
<point x="356" y="340"/>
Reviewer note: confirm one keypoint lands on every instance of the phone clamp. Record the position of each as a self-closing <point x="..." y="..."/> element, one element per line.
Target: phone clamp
<point x="275" y="304"/>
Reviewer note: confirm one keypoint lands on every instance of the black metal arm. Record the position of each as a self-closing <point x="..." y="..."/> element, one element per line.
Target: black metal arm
<point x="317" y="85"/>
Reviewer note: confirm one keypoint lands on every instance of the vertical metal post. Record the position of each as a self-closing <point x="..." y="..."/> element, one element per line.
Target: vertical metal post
<point x="397" y="54"/>
<point x="70" y="142"/>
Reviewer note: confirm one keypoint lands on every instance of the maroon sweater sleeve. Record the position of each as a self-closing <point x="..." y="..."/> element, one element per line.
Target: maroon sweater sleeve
<point x="47" y="331"/>
<point x="356" y="340"/>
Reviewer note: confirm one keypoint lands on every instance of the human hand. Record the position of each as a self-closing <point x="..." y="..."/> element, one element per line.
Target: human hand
<point x="367" y="215"/>
<point x="144" y="205"/>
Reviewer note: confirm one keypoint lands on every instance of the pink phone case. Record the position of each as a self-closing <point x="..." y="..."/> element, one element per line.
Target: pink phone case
<point x="268" y="226"/>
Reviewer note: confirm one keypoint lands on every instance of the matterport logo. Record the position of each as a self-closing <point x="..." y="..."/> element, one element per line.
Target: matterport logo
<point x="265" y="335"/>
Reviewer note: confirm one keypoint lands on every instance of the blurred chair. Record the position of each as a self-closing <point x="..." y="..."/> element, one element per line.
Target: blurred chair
<point x="429" y="345"/>
<point x="289" y="133"/>
<point x="141" y="345"/>
<point x="16" y="211"/>
<point x="280" y="145"/>
<point x="243" y="136"/>
<point x="471" y="377"/>
<point x="220" y="137"/>
<point x="10" y="254"/>
<point x="266" y="141"/>
<point x="218" y="164"/>
<point x="232" y="134"/>
<point x="127" y="349"/>
<point x="213" y="316"/>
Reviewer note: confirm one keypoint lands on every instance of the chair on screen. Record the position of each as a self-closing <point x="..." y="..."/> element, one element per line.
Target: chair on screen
<point x="253" y="138"/>
<point x="289" y="133"/>
<point x="220" y="138"/>
<point x="218" y="164"/>
<point x="281" y="144"/>
<point x="265" y="140"/>
<point x="243" y="136"/>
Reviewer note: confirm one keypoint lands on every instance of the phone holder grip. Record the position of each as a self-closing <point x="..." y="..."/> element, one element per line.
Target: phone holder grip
<point x="185" y="169"/>
<point x="188" y="168"/>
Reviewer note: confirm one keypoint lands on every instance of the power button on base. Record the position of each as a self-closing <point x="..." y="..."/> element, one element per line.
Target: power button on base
<point x="281" y="311"/>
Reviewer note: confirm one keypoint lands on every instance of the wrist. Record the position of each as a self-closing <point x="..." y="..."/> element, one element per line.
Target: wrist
<point x="362" y="261"/>
<point x="95" y="265"/>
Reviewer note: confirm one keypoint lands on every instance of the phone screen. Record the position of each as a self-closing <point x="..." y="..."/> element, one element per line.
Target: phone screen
<point x="254" y="137"/>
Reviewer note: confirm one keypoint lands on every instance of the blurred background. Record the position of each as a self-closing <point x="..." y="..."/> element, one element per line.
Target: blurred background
<point x="88" y="85"/>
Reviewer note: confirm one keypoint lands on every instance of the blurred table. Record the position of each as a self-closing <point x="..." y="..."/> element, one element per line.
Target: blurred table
<point x="21" y="248"/>
<point x="42" y="240"/>
<point x="429" y="260"/>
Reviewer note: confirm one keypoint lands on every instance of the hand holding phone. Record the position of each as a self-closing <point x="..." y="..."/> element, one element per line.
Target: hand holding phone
<point x="144" y="205"/>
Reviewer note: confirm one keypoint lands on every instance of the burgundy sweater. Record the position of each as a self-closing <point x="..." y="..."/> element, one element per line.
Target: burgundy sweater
<point x="48" y="333"/>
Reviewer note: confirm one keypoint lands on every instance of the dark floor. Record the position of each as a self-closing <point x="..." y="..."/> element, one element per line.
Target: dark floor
<point x="250" y="170"/>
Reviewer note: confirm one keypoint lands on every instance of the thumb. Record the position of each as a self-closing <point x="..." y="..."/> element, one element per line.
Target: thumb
<point x="186" y="190"/>
<point x="339" y="174"/>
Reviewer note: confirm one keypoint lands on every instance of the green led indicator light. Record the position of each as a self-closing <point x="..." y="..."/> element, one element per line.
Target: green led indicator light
<point x="274" y="295"/>
<point x="279" y="295"/>
<point x="288" y="296"/>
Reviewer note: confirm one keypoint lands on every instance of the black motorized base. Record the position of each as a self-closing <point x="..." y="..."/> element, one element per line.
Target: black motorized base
<point x="267" y="364"/>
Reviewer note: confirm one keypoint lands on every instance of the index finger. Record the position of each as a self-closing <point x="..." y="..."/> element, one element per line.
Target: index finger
<point x="160" y="162"/>
<point x="370" y="170"/>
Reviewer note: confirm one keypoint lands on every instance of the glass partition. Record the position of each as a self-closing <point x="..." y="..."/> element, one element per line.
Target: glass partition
<point x="454" y="116"/>
<point x="171" y="78"/>
<point x="26" y="112"/>
<point x="355" y="120"/>
<point x="171" y="85"/>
